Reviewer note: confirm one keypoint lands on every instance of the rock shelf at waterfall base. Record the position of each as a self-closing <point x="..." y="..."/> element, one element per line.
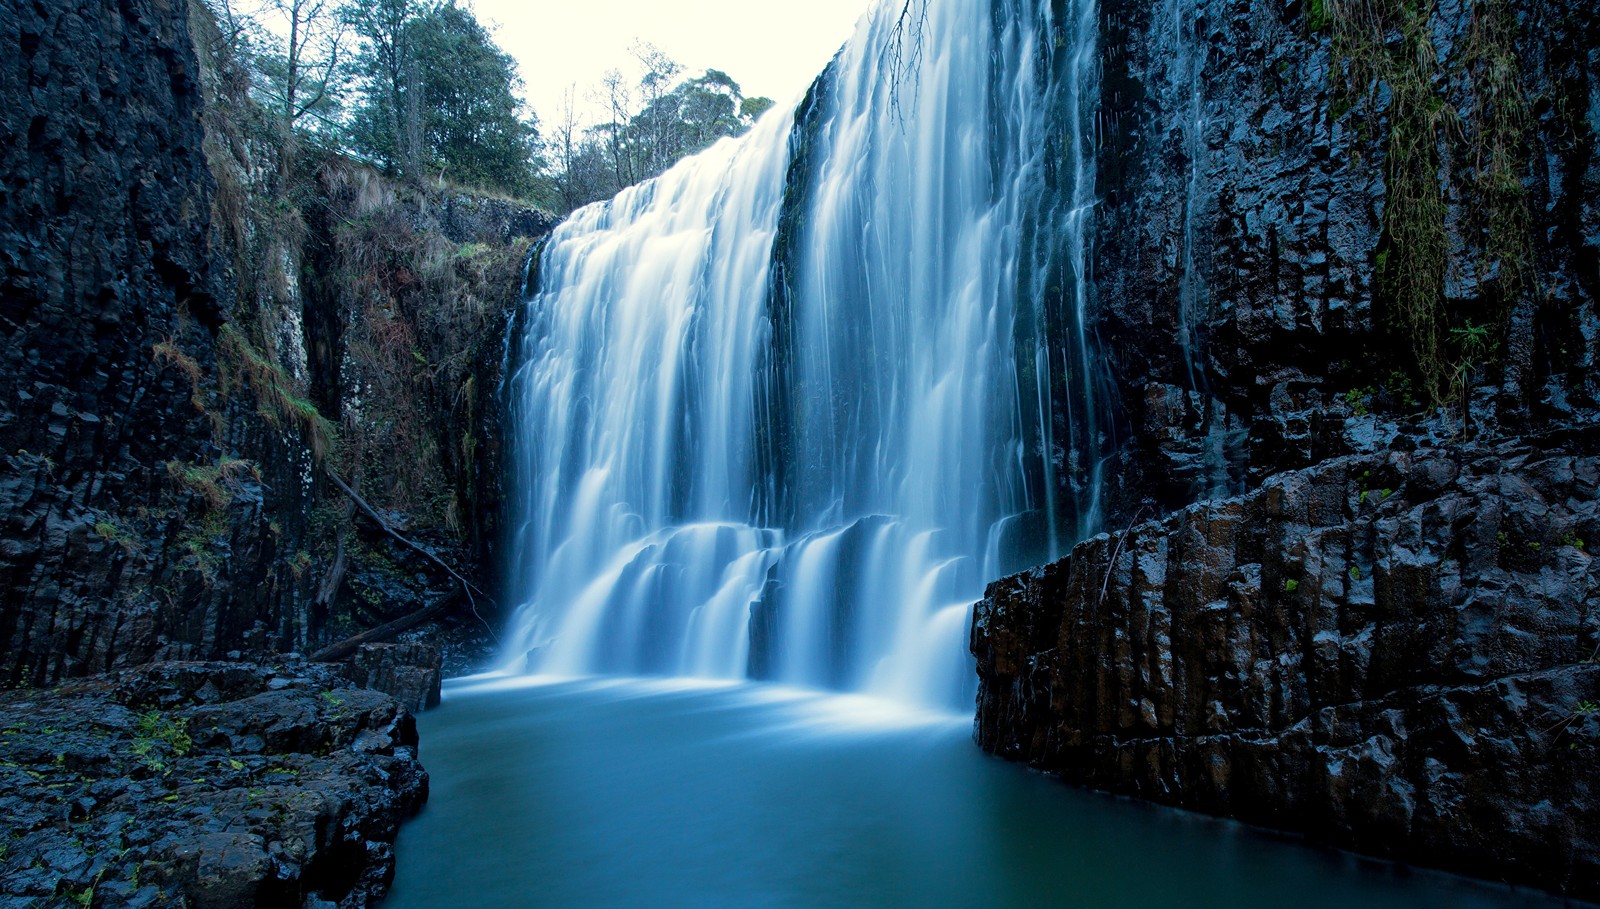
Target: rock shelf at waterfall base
<point x="1393" y="653"/>
<point x="210" y="785"/>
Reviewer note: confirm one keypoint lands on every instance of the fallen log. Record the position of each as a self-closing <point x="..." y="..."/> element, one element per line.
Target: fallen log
<point x="335" y="652"/>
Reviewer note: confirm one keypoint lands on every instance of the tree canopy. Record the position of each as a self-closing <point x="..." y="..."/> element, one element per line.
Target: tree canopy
<point x="439" y="98"/>
<point x="654" y="121"/>
<point x="421" y="89"/>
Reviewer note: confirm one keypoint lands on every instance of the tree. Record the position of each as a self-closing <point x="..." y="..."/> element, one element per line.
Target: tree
<point x="474" y="128"/>
<point x="653" y="122"/>
<point x="387" y="125"/>
<point x="439" y="97"/>
<point x="751" y="109"/>
<point x="303" y="78"/>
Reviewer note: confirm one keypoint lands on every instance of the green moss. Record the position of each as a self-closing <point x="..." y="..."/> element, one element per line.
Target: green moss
<point x="1317" y="16"/>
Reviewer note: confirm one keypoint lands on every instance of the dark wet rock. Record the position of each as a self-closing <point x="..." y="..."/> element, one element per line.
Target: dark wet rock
<point x="1394" y="653"/>
<point x="150" y="508"/>
<point x="224" y="785"/>
<point x="1350" y="621"/>
<point x="104" y="255"/>
<point x="411" y="673"/>
<point x="1243" y="196"/>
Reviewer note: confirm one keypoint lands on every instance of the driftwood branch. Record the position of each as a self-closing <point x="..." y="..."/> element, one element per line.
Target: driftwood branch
<point x="361" y="504"/>
<point x="335" y="652"/>
<point x="350" y="645"/>
<point x="1105" y="583"/>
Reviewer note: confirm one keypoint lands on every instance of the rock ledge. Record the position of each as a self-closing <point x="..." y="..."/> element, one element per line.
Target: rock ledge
<point x="210" y="785"/>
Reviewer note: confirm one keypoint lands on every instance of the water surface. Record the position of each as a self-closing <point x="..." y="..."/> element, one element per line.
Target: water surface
<point x="665" y="794"/>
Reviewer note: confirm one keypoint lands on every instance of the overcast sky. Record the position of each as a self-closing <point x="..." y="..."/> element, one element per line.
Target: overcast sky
<point x="770" y="47"/>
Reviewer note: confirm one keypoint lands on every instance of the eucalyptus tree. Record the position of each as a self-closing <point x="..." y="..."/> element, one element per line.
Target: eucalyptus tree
<point x="439" y="98"/>
<point x="652" y="121"/>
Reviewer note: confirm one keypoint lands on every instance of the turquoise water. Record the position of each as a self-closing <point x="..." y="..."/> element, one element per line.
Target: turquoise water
<point x="661" y="794"/>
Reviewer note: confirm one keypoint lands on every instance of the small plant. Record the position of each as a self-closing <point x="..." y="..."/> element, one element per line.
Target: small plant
<point x="158" y="739"/>
<point x="1573" y="540"/>
<point x="1317" y="17"/>
<point x="1583" y="710"/>
<point x="1360" y="400"/>
<point x="337" y="708"/>
<point x="84" y="897"/>
<point x="1401" y="389"/>
<point x="112" y="532"/>
<point x="1355" y="572"/>
<point x="1290" y="586"/>
<point x="1474" y="341"/>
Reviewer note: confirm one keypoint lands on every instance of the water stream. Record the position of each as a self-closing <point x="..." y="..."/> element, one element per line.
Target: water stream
<point x="665" y="794"/>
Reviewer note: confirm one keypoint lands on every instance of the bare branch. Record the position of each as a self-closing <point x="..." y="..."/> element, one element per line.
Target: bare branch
<point x="902" y="56"/>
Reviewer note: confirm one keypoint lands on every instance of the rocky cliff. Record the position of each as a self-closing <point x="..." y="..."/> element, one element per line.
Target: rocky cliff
<point x="106" y="219"/>
<point x="1316" y="209"/>
<point x="1346" y="275"/>
<point x="1396" y="653"/>
<point x="197" y="339"/>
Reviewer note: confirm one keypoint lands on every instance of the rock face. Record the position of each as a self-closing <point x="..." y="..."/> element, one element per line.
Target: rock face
<point x="212" y="785"/>
<point x="1247" y="264"/>
<point x="411" y="673"/>
<point x="1394" y="653"/>
<point x="106" y="212"/>
<point x="182" y="346"/>
<point x="1354" y="620"/>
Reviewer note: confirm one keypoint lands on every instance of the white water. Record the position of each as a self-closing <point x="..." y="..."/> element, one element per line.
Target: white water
<point x="809" y="473"/>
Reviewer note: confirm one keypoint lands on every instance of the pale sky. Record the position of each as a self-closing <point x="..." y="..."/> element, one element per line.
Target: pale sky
<point x="770" y="47"/>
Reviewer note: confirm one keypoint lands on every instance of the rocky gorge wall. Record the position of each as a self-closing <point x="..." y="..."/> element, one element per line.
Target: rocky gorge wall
<point x="1346" y="268"/>
<point x="1391" y="652"/>
<point x="1266" y="264"/>
<point x="198" y="340"/>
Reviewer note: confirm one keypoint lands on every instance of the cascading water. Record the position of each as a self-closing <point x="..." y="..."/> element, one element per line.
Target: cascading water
<point x="782" y="411"/>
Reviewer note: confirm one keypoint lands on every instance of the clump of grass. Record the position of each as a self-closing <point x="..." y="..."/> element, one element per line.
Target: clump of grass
<point x="112" y="531"/>
<point x="1389" y="43"/>
<point x="216" y="483"/>
<point x="168" y="353"/>
<point x="278" y="398"/>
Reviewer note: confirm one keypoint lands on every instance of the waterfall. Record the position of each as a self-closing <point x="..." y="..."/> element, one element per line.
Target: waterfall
<point x="782" y="411"/>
